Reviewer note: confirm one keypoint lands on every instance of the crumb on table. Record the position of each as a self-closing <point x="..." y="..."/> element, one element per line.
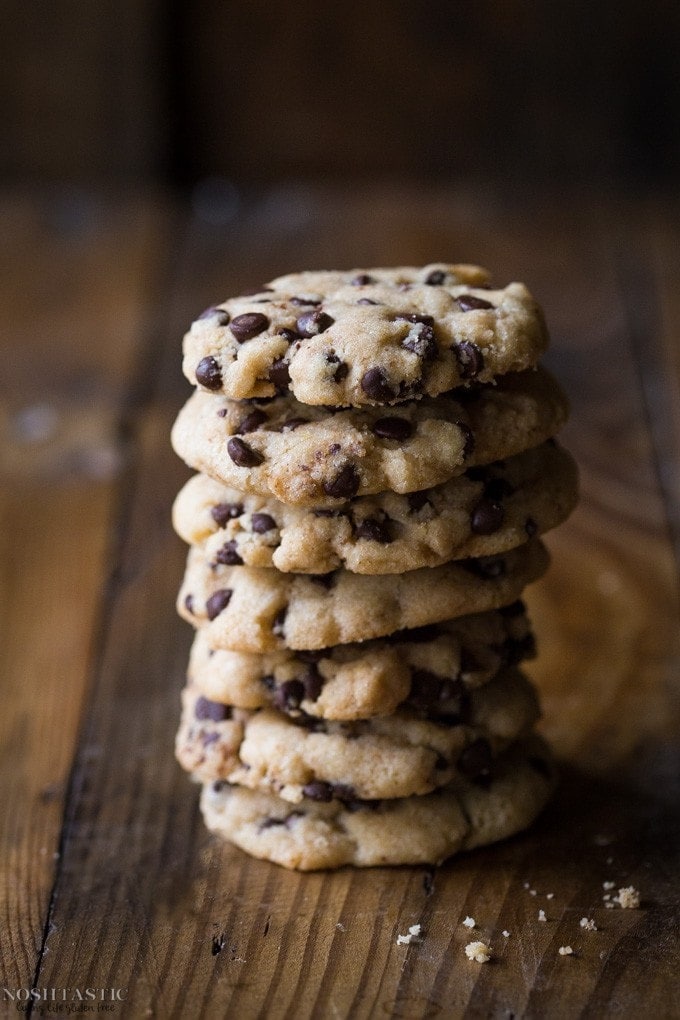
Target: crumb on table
<point x="478" y="951"/>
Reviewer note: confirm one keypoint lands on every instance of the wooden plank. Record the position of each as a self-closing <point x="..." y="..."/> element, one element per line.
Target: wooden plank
<point x="66" y="372"/>
<point x="145" y="900"/>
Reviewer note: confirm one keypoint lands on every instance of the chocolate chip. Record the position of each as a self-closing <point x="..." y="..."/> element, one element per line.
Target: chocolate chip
<point x="218" y="601"/>
<point x="486" y="517"/>
<point x="361" y="280"/>
<point x="470" y="359"/>
<point x="325" y="580"/>
<point x="374" y="530"/>
<point x="345" y="484"/>
<point x="293" y="423"/>
<point x="242" y="454"/>
<point x="214" y="710"/>
<point x="278" y="622"/>
<point x="486" y="567"/>
<point x="220" y="316"/>
<point x="245" y="327"/>
<point x="344" y="792"/>
<point x="437" y="695"/>
<point x="470" y="303"/>
<point x="421" y="340"/>
<point x="261" y="523"/>
<point x="318" y="790"/>
<point x="469" y="662"/>
<point x="289" y="695"/>
<point x="189" y="604"/>
<point x="468" y="438"/>
<point x="288" y="334"/>
<point x="251" y="422"/>
<point x="311" y="656"/>
<point x="393" y="428"/>
<point x="476" y="760"/>
<point x="531" y="527"/>
<point x="427" y="320"/>
<point x="375" y="385"/>
<point x="313" y="323"/>
<point x="268" y="682"/>
<point x="417" y="500"/>
<point x="228" y="555"/>
<point x="208" y="373"/>
<point x="279" y="374"/>
<point x="436" y="278"/>
<point x="312" y="682"/>
<point x="342" y="370"/>
<point x="222" y="513"/>
<point x="305" y="301"/>
<point x="367" y="301"/>
<point x="222" y="412"/>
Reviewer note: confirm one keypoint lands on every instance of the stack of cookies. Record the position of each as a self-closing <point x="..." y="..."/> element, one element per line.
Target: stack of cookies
<point x="377" y="463"/>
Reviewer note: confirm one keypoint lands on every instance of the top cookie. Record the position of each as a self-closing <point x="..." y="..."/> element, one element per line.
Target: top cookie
<point x="376" y="336"/>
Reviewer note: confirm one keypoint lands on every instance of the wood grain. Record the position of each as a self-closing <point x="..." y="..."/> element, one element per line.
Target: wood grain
<point x="145" y="900"/>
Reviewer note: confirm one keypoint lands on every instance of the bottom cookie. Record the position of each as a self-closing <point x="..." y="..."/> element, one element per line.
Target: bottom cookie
<point x="412" y="830"/>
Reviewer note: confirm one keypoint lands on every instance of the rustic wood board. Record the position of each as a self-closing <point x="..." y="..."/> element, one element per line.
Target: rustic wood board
<point x="141" y="898"/>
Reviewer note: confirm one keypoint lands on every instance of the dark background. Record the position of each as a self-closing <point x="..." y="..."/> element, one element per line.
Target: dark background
<point x="530" y="93"/>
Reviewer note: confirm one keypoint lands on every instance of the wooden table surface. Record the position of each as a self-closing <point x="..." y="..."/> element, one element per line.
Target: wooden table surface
<point x="108" y="879"/>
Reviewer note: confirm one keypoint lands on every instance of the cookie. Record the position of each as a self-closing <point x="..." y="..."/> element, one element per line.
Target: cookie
<point x="365" y="337"/>
<point x="399" y="755"/>
<point x="253" y="609"/>
<point x="429" y="670"/>
<point x="318" y="457"/>
<point x="482" y="512"/>
<point x="413" y="830"/>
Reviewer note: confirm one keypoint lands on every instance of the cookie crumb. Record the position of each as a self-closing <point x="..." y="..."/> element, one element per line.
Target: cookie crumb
<point x="588" y="924"/>
<point x="478" y="951"/>
<point x="608" y="885"/>
<point x="505" y="934"/>
<point x="413" y="933"/>
<point x="532" y="892"/>
<point x="609" y="906"/>
<point x="340" y="926"/>
<point x="550" y="896"/>
<point x="628" y="898"/>
<point x="469" y="922"/>
<point x="565" y="951"/>
<point x="527" y="885"/>
<point x="541" y="915"/>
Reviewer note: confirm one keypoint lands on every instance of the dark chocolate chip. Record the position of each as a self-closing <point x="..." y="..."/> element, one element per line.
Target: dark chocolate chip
<point x="318" y="790"/>
<point x="311" y="656"/>
<point x="278" y="622"/>
<point x="261" y="523"/>
<point x="312" y="682"/>
<point x="222" y="412"/>
<point x="436" y="278"/>
<point x="222" y="513"/>
<point x="305" y="301"/>
<point x="293" y="423"/>
<point x="289" y="695"/>
<point x="476" y="760"/>
<point x="242" y="454"/>
<point x="214" y="710"/>
<point x="342" y="370"/>
<point x="288" y="334"/>
<point x="486" y="567"/>
<point x="393" y="428"/>
<point x="220" y="316"/>
<point x="470" y="359"/>
<point x="427" y="320"/>
<point x="374" y="530"/>
<point x="486" y="517"/>
<point x="531" y="527"/>
<point x="268" y="682"/>
<point x="313" y="323"/>
<point x="228" y="555"/>
<point x="279" y="374"/>
<point x="417" y="500"/>
<point x="367" y="301"/>
<point x="468" y="438"/>
<point x="375" y="385"/>
<point x="218" y="601"/>
<point x="421" y="340"/>
<point x="470" y="303"/>
<point x="325" y="580"/>
<point x="514" y="609"/>
<point x="189" y="604"/>
<point x="245" y="327"/>
<point x="251" y="422"/>
<point x="344" y="792"/>
<point x="208" y="373"/>
<point x="345" y="484"/>
<point x="361" y="280"/>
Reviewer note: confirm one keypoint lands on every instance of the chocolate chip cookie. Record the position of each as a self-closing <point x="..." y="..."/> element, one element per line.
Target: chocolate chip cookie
<point x="376" y="336"/>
